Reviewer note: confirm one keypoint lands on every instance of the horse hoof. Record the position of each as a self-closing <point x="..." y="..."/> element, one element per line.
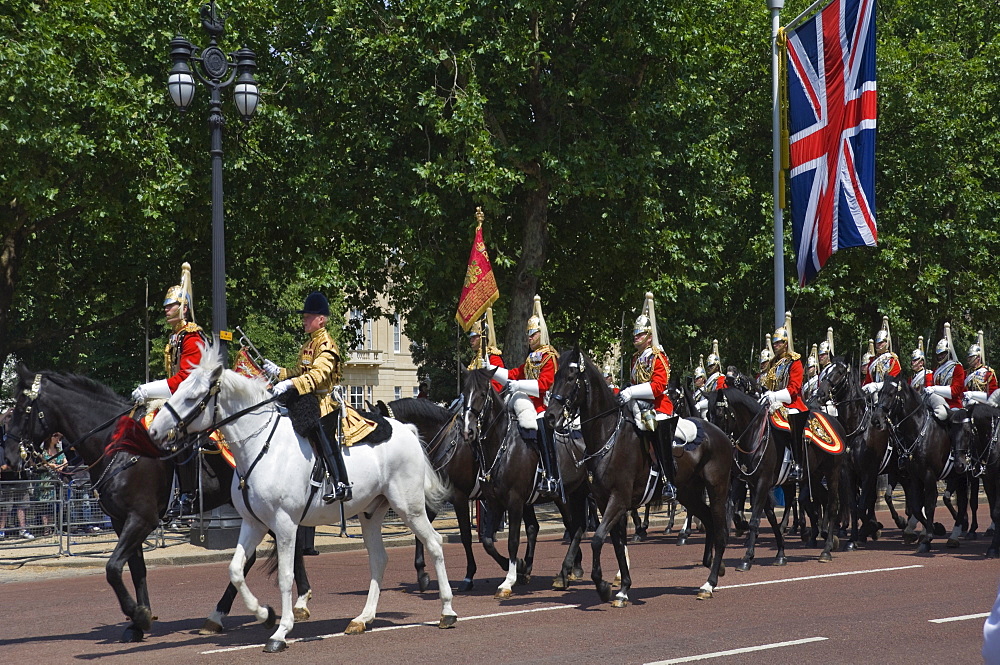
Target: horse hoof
<point x="851" y="546"/>
<point x="132" y="634"/>
<point x="300" y="613"/>
<point x="559" y="584"/>
<point x="465" y="585"/>
<point x="640" y="536"/>
<point x="780" y="561"/>
<point x="939" y="530"/>
<point x="575" y="575"/>
<point x="951" y="543"/>
<point x="620" y="602"/>
<point x="272" y="618"/>
<point x="143" y="618"/>
<point x="722" y="569"/>
<point x="356" y="628"/>
<point x="604" y="590"/>
<point x="924" y="548"/>
<point x="972" y="535"/>
<point x="212" y="628"/>
<point x="682" y="540"/>
<point x="743" y="566"/>
<point x="503" y="594"/>
<point x="275" y="646"/>
<point x="704" y="594"/>
<point x="909" y="538"/>
<point x="825" y="557"/>
<point x="523" y="579"/>
<point x="423" y="582"/>
<point x="447" y="621"/>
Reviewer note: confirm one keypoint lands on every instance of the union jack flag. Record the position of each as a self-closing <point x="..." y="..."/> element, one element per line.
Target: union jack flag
<point x="831" y="109"/>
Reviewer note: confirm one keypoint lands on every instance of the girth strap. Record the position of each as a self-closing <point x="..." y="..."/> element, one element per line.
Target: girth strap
<point x="244" y="488"/>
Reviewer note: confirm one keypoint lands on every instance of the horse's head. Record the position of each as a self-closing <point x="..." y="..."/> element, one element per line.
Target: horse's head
<point x="732" y="410"/>
<point x="890" y="402"/>
<point x="569" y="390"/>
<point x="477" y="390"/>
<point x="742" y="382"/>
<point x="187" y="409"/>
<point x="834" y="382"/>
<point x="29" y="425"/>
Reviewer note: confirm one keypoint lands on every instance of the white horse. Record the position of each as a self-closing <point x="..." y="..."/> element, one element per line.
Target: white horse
<point x="271" y="487"/>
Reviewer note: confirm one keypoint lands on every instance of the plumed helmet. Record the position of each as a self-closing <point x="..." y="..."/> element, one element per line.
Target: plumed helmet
<point x="824" y="348"/>
<point x="942" y="346"/>
<point x="182" y="293"/>
<point x="975" y="351"/>
<point x="918" y="354"/>
<point x="883" y="336"/>
<point x="476" y="329"/>
<point x="780" y="335"/>
<point x="713" y="361"/>
<point x="699" y="372"/>
<point x="766" y="355"/>
<point x="536" y="322"/>
<point x="945" y="344"/>
<point x="813" y="359"/>
<point x="315" y="303"/>
<point x="646" y="321"/>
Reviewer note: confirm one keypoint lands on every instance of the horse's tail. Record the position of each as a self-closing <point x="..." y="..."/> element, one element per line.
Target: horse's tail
<point x="437" y="489"/>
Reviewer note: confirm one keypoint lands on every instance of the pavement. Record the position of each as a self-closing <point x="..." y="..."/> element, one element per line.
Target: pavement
<point x="84" y="553"/>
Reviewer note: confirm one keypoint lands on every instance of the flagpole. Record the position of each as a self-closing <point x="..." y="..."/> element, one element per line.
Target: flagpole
<point x="779" y="247"/>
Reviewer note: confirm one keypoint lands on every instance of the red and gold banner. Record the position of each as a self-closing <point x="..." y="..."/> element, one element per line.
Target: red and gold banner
<point x="246" y="366"/>
<point x="480" y="288"/>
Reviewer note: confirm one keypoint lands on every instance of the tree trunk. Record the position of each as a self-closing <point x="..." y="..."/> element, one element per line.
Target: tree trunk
<point x="14" y="223"/>
<point x="534" y="246"/>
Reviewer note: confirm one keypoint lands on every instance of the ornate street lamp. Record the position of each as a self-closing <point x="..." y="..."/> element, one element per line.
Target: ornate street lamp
<point x="217" y="70"/>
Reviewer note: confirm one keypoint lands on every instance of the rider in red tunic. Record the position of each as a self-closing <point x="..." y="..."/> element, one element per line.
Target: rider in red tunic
<point x="884" y="363"/>
<point x="534" y="378"/>
<point x="783" y="381"/>
<point x="922" y="376"/>
<point x="181" y="354"/>
<point x="980" y="380"/>
<point x="491" y="354"/>
<point x="648" y="396"/>
<point x="946" y="397"/>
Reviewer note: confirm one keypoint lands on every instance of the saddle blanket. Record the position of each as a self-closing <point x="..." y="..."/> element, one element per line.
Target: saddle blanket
<point x="818" y="430"/>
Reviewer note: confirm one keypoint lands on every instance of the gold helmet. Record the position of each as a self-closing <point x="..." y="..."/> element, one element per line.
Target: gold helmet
<point x="476" y="329"/>
<point x="646" y="321"/>
<point x="536" y="323"/>
<point x="784" y="333"/>
<point x="182" y="293"/>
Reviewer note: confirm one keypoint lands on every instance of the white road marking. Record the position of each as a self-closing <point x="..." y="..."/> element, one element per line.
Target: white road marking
<point x="817" y="577"/>
<point x="733" y="652"/>
<point x="964" y="617"/>
<point x="400" y="627"/>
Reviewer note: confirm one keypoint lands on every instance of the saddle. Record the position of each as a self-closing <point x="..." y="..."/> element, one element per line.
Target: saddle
<point x="689" y="433"/>
<point x="358" y="427"/>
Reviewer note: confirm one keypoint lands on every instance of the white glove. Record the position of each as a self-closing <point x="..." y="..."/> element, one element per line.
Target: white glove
<point x="529" y="386"/>
<point x="281" y="387"/>
<point x="782" y="397"/>
<point x="152" y="390"/>
<point x="943" y="391"/>
<point x="500" y="375"/>
<point x="271" y="369"/>
<point x="975" y="396"/>
<point x="702" y="404"/>
<point x="873" y="387"/>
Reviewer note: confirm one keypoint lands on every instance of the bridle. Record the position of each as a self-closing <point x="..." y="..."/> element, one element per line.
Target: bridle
<point x="570" y="403"/>
<point x="179" y="430"/>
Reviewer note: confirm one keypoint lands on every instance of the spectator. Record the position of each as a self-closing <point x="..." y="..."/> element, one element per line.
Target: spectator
<point x="55" y="463"/>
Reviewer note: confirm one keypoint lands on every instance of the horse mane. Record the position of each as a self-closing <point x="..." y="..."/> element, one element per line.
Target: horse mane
<point x="590" y="370"/>
<point x="243" y="390"/>
<point x="76" y="382"/>
<point x="412" y="408"/>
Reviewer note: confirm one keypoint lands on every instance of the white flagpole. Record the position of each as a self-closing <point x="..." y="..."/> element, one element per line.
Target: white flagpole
<point x="779" y="243"/>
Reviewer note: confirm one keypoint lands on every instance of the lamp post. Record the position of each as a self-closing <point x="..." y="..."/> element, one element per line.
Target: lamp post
<point x="217" y="70"/>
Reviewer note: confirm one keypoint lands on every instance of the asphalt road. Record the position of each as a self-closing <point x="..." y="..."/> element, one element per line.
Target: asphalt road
<point x="879" y="605"/>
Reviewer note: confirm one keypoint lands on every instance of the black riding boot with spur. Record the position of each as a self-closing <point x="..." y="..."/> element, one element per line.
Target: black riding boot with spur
<point x="663" y="446"/>
<point x="334" y="460"/>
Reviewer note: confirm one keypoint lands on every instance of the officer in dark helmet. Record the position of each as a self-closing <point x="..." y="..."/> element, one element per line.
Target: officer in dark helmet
<point x="316" y="373"/>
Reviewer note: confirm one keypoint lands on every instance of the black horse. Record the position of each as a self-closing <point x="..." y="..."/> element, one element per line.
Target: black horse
<point x="985" y="452"/>
<point x="134" y="489"/>
<point x="452" y="456"/>
<point x="508" y="468"/>
<point x="924" y="448"/>
<point x="619" y="462"/>
<point x="869" y="453"/>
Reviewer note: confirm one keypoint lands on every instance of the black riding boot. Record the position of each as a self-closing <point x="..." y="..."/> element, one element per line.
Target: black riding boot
<point x="187" y="487"/>
<point x="663" y="445"/>
<point x="551" y="485"/>
<point x="797" y="425"/>
<point x="334" y="461"/>
<point x="959" y="442"/>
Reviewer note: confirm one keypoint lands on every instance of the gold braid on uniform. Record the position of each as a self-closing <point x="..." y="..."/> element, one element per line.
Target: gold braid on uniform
<point x="771" y="378"/>
<point x="477" y="360"/>
<point x="172" y="352"/>
<point x="532" y="369"/>
<point x="644" y="374"/>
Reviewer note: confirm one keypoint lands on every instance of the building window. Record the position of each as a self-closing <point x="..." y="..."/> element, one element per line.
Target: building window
<point x="396" y="337"/>
<point x="371" y="397"/>
<point x="357" y="397"/>
<point x="397" y="392"/>
<point x="369" y="337"/>
<point x="416" y="390"/>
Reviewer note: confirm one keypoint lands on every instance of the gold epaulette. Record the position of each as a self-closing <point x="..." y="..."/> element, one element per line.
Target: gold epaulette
<point x="493" y="351"/>
<point x="793" y="355"/>
<point x="190" y="327"/>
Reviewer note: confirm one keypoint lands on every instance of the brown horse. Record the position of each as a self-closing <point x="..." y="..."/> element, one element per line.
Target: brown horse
<point x="618" y="460"/>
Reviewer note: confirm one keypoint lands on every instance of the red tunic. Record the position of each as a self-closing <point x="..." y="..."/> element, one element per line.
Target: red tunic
<point x="540" y="365"/>
<point x="892" y="362"/>
<point x="984" y="379"/>
<point x="956" y="381"/>
<point x="496" y="361"/>
<point x="656" y="366"/>
<point x="190" y="355"/>
<point x="785" y="372"/>
<point x="926" y="375"/>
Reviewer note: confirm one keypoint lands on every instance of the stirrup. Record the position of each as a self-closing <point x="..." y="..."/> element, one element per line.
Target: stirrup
<point x="795" y="472"/>
<point x="341" y="492"/>
<point x="669" y="491"/>
<point x="183" y="506"/>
